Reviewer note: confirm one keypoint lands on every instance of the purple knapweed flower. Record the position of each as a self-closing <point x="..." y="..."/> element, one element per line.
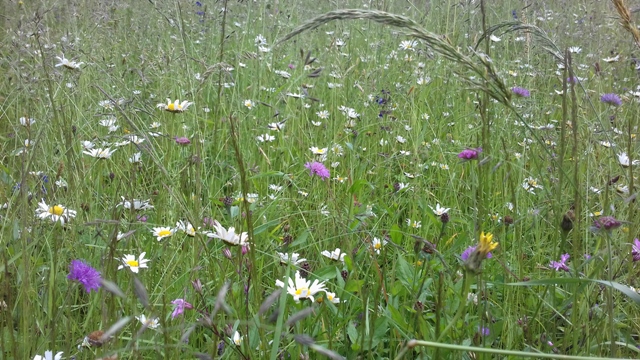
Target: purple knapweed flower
<point x="465" y="254"/>
<point x="182" y="140"/>
<point x="317" y="168"/>
<point x="635" y="250"/>
<point x="180" y="306"/>
<point x="606" y="222"/>
<point x="611" y="99"/>
<point x="84" y="274"/>
<point x="469" y="154"/>
<point x="520" y="91"/>
<point x="560" y="265"/>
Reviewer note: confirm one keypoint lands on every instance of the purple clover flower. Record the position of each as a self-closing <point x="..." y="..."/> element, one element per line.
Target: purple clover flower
<point x="465" y="254"/>
<point x="611" y="99"/>
<point x="180" y="306"/>
<point x="635" y="250"/>
<point x="520" y="91"/>
<point x="470" y="154"/>
<point x="84" y="274"/>
<point x="560" y="265"/>
<point x="317" y="168"/>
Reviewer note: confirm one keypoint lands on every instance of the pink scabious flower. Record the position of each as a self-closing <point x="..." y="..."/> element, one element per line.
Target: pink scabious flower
<point x="635" y="250"/>
<point x="560" y="265"/>
<point x="182" y="140"/>
<point x="470" y="154"/>
<point x="611" y="99"/>
<point x="317" y="168"/>
<point x="84" y="274"/>
<point x="180" y="306"/>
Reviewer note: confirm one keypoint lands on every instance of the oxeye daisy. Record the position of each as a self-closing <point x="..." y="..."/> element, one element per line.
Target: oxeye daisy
<point x="55" y="213"/>
<point x="293" y="258"/>
<point x="68" y="63"/>
<point x="439" y="210"/>
<point x="175" y="107"/>
<point x="186" y="227"/>
<point x="152" y="323"/>
<point x="318" y="151"/>
<point x="100" y="153"/>
<point x="229" y="236"/>
<point x="377" y="244"/>
<point x="48" y="355"/>
<point x="136" y="204"/>
<point x="237" y="339"/>
<point x="249" y="104"/>
<point x="336" y="254"/>
<point x="332" y="297"/>
<point x="301" y="288"/>
<point x="134" y="264"/>
<point x="162" y="232"/>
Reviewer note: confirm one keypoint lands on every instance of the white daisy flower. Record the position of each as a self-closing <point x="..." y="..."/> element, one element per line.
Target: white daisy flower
<point x="300" y="288"/>
<point x="100" y="153"/>
<point x="174" y="107"/>
<point x="55" y="213"/>
<point x="162" y="232"/>
<point x="134" y="264"/>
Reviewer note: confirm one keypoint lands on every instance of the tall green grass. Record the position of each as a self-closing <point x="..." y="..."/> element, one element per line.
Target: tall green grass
<point x="398" y="161"/>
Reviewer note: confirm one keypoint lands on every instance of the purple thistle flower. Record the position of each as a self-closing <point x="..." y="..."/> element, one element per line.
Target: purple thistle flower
<point x="562" y="264"/>
<point x="180" y="306"/>
<point x="635" y="250"/>
<point x="465" y="254"/>
<point x="469" y="154"/>
<point x="84" y="274"/>
<point x="317" y="168"/>
<point x="520" y="91"/>
<point x="611" y="99"/>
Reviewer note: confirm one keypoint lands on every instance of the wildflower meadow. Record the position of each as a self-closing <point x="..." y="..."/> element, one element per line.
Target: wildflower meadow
<point x="286" y="179"/>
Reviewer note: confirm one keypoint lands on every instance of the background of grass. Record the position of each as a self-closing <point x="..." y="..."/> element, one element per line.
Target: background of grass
<point x="146" y="52"/>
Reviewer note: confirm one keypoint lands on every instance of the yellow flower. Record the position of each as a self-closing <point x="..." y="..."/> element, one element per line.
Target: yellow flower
<point x="486" y="243"/>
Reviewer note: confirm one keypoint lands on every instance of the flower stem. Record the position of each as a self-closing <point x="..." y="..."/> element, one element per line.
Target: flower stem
<point x="461" y="308"/>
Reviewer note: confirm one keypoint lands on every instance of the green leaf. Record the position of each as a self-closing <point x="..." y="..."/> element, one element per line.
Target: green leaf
<point x="357" y="185"/>
<point x="326" y="273"/>
<point x="398" y="319"/>
<point x="261" y="228"/>
<point x="396" y="234"/>
<point x="353" y="285"/>
<point x="612" y="284"/>
<point x="301" y="239"/>
<point x="352" y="333"/>
<point x="406" y="273"/>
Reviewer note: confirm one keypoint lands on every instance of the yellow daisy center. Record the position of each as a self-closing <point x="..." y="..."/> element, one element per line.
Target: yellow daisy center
<point x="56" y="210"/>
<point x="377" y="245"/>
<point x="329" y="297"/>
<point x="164" y="232"/>
<point x="132" y="263"/>
<point x="171" y="107"/>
